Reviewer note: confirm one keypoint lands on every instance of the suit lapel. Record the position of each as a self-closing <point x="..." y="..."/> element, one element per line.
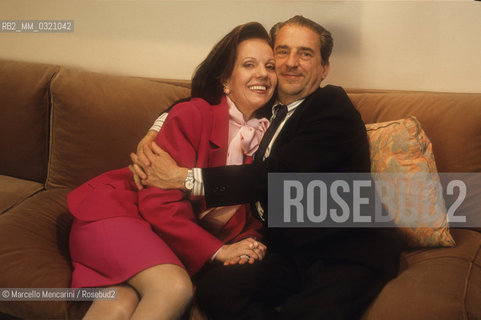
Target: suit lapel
<point x="288" y="131"/>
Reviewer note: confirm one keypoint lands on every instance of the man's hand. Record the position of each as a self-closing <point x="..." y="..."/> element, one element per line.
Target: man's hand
<point x="145" y="147"/>
<point x="140" y="160"/>
<point x="241" y="252"/>
<point x="161" y="172"/>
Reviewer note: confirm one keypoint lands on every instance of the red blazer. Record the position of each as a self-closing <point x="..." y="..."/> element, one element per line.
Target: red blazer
<point x="195" y="134"/>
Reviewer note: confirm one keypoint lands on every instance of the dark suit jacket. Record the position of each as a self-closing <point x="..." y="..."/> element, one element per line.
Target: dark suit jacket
<point x="325" y="134"/>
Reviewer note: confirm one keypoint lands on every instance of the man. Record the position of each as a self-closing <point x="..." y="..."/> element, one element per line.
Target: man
<point x="307" y="273"/>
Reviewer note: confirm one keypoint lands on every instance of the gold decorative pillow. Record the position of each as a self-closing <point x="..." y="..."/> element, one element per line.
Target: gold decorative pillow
<point x="401" y="154"/>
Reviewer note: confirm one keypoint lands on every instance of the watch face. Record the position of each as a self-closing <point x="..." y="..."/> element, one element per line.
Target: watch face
<point x="189" y="184"/>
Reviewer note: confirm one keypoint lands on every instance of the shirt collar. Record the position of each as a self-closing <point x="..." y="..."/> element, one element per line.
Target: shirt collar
<point x="290" y="107"/>
<point x="234" y="112"/>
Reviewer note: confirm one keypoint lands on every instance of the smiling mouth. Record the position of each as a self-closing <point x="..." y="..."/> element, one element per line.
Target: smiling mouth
<point x="291" y="76"/>
<point x="258" y="88"/>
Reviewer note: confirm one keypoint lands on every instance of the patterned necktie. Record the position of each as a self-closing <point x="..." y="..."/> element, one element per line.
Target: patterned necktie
<point x="280" y="114"/>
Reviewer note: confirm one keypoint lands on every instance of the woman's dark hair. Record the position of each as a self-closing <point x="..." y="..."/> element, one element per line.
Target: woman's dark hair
<point x="217" y="67"/>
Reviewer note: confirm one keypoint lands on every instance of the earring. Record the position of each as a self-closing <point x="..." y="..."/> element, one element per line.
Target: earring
<point x="226" y="90"/>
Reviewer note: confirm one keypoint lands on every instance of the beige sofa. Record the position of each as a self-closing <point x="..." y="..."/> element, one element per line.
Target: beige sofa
<point x="62" y="126"/>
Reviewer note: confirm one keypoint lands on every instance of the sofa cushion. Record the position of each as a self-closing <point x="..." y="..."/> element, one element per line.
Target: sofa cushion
<point x="24" y="110"/>
<point x="450" y="120"/>
<point x="441" y="283"/>
<point x="401" y="155"/>
<point x="34" y="254"/>
<point x="97" y="120"/>
<point x="13" y="191"/>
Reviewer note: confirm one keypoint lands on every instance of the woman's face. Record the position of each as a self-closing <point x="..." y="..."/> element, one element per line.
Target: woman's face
<point x="253" y="79"/>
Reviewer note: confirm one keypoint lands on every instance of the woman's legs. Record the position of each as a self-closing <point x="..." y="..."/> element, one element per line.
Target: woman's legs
<point x="121" y="308"/>
<point x="165" y="290"/>
<point x="165" y="293"/>
<point x="118" y="247"/>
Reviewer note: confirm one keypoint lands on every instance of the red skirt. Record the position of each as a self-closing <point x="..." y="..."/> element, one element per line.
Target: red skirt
<point x="110" y="251"/>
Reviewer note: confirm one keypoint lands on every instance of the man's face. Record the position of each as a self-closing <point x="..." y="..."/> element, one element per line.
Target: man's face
<point x="299" y="69"/>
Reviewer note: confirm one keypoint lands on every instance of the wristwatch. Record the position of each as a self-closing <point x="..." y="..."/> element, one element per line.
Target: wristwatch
<point x="189" y="180"/>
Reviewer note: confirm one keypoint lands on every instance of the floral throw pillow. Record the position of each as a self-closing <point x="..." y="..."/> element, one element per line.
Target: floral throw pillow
<point x="401" y="154"/>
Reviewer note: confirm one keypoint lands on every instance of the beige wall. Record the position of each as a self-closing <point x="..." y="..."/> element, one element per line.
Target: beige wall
<point x="378" y="44"/>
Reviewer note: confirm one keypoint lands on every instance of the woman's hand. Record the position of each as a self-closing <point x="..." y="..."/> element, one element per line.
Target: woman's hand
<point x="245" y="251"/>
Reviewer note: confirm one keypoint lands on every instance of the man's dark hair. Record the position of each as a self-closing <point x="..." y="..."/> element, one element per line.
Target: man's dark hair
<point x="217" y="67"/>
<point x="325" y="37"/>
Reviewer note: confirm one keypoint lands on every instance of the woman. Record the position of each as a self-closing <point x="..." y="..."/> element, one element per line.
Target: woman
<point x="147" y="243"/>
